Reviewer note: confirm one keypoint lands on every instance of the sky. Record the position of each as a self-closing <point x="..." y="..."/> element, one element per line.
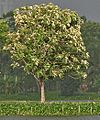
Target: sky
<point x="88" y="8"/>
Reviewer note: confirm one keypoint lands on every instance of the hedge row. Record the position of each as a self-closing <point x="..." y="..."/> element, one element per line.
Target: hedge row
<point x="48" y="109"/>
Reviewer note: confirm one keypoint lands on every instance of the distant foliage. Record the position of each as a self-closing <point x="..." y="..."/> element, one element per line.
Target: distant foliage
<point x="3" y="32"/>
<point x="69" y="86"/>
<point x="91" y="36"/>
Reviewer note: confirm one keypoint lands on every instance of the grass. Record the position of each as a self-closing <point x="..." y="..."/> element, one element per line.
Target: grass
<point x="29" y="105"/>
<point x="49" y="96"/>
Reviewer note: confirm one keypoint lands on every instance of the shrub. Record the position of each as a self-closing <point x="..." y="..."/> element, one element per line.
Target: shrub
<point x="48" y="109"/>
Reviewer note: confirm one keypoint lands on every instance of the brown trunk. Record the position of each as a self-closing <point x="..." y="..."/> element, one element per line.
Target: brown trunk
<point x="42" y="90"/>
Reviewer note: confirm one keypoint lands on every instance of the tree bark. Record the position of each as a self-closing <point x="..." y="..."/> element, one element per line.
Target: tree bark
<point x="42" y="90"/>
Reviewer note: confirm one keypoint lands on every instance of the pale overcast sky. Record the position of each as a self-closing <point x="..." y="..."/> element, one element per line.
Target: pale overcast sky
<point x="88" y="8"/>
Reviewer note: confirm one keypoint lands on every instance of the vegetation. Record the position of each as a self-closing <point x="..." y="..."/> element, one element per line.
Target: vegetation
<point x="51" y="96"/>
<point x="47" y="43"/>
<point x="16" y="81"/>
<point x="48" y="109"/>
<point x="3" y="32"/>
<point x="91" y="36"/>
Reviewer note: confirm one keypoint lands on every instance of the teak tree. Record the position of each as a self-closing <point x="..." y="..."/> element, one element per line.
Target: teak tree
<point x="47" y="43"/>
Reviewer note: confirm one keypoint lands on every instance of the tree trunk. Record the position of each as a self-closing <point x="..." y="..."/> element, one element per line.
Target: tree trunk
<point x="42" y="90"/>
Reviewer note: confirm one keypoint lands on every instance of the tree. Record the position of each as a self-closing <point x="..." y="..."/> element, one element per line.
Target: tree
<point x="4" y="59"/>
<point x="69" y="86"/>
<point x="47" y="43"/>
<point x="3" y="32"/>
<point x="91" y="37"/>
<point x="10" y="79"/>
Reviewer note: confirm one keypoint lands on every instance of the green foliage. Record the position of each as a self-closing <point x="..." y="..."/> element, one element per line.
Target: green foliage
<point x="19" y="97"/>
<point x="69" y="86"/>
<point x="5" y="68"/>
<point x="10" y="20"/>
<point x="91" y="36"/>
<point x="50" y="96"/>
<point x="3" y="32"/>
<point x="47" y="42"/>
<point x="48" y="109"/>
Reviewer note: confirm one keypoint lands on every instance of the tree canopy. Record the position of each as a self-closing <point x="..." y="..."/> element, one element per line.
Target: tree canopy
<point x="47" y="41"/>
